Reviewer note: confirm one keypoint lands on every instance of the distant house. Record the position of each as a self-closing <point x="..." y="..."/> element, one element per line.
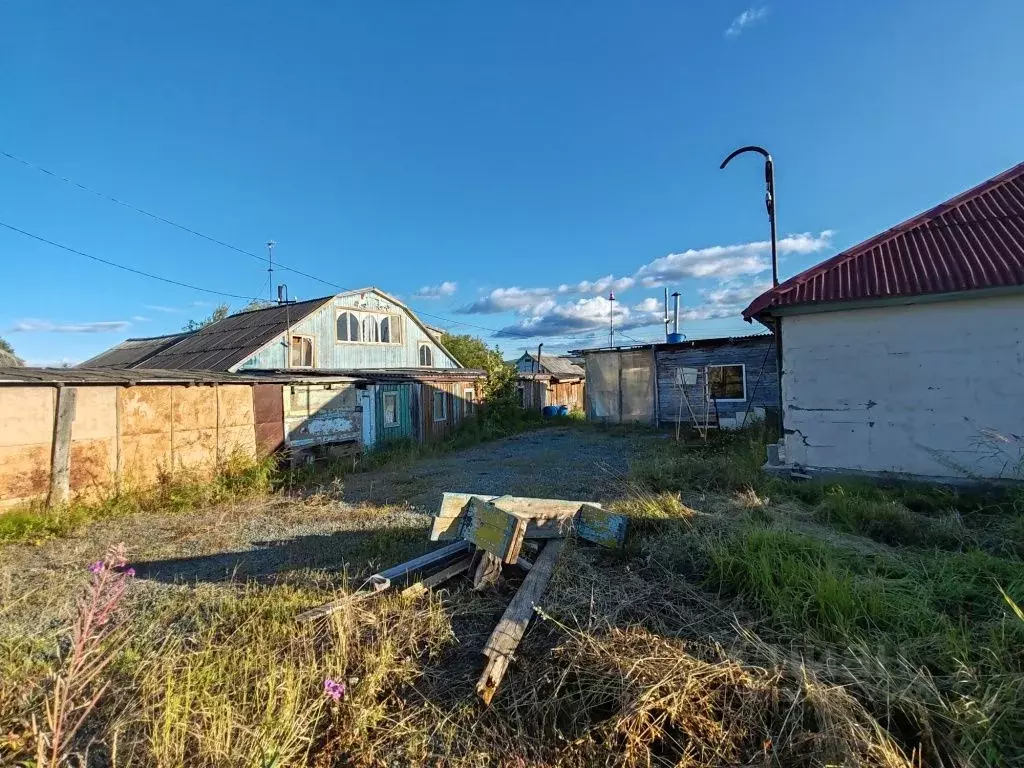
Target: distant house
<point x="373" y="355"/>
<point x="904" y="355"/>
<point x="723" y="382"/>
<point x="349" y="331"/>
<point x="558" y="366"/>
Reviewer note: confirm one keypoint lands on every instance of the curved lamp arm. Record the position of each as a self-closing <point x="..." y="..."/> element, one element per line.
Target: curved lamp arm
<point x="741" y="150"/>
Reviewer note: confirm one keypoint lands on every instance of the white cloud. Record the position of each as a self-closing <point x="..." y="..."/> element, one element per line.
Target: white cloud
<point x="727" y="261"/>
<point x="745" y="19"/>
<point x="165" y="310"/>
<point x="140" y="319"/>
<point x="47" y="326"/>
<point x="601" y="285"/>
<point x="735" y="294"/>
<point x="510" y="300"/>
<point x="447" y="288"/>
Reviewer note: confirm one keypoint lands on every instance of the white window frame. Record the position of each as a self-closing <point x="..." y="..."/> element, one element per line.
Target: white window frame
<point x="419" y="354"/>
<point x="384" y="408"/>
<point x="312" y="350"/>
<point x="469" y="396"/>
<point x="444" y="404"/>
<point x="743" y="367"/>
<point x="395" y="322"/>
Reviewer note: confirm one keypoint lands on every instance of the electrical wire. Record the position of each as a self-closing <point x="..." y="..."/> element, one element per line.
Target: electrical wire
<point x="222" y="243"/>
<point x="110" y="263"/>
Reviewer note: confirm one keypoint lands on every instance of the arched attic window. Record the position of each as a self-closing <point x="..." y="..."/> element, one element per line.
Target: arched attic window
<point x="385" y="330"/>
<point x="426" y="356"/>
<point x="370" y="332"/>
<point x="348" y="327"/>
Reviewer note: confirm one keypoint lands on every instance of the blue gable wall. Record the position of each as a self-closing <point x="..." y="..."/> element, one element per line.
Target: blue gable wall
<point x="329" y="353"/>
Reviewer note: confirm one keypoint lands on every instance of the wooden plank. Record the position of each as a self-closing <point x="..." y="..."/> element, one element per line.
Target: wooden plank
<point x="448" y="524"/>
<point x="494" y="530"/>
<point x="510" y="629"/>
<point x="379" y="582"/>
<point x="60" y="457"/>
<point x="440" y="577"/>
<point x="487" y="571"/>
<point x="601" y="527"/>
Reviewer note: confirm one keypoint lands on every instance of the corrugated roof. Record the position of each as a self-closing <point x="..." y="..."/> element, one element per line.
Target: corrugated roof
<point x="131" y="352"/>
<point x="558" y="366"/>
<point x="380" y="374"/>
<point x="132" y="376"/>
<point x="721" y="341"/>
<point x="220" y="345"/>
<point x="971" y="242"/>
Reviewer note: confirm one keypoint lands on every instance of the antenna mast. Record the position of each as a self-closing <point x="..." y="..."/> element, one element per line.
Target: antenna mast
<point x="270" y="266"/>
<point x="611" y="320"/>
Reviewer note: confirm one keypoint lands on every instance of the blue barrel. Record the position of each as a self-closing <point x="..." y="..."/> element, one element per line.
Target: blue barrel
<point x="549" y="411"/>
<point x="563" y="410"/>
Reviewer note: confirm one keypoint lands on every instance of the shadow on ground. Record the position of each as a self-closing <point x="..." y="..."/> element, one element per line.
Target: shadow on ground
<point x="357" y="551"/>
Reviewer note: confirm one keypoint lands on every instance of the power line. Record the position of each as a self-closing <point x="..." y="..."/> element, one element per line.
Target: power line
<point x="208" y="238"/>
<point x="122" y="266"/>
<point x="216" y="241"/>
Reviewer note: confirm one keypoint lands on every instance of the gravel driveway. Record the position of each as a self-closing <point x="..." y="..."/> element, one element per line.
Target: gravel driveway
<point x="371" y="520"/>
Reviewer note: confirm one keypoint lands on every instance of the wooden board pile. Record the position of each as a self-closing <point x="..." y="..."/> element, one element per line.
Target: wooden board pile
<point x="488" y="533"/>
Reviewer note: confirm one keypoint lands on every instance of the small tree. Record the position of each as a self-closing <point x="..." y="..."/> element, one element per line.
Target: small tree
<point x="8" y="359"/>
<point x="217" y="315"/>
<point x="471" y="351"/>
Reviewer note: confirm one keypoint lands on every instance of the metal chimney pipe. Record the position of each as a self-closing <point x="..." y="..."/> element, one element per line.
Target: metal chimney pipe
<point x="539" y="347"/>
<point x="675" y="313"/>
<point x="666" y="314"/>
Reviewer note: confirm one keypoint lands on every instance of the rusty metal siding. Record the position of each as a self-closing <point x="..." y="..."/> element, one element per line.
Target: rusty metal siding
<point x="321" y="414"/>
<point x="406" y="426"/>
<point x="972" y="242"/>
<point x="268" y="414"/>
<point x="761" y="372"/>
<point x="331" y="354"/>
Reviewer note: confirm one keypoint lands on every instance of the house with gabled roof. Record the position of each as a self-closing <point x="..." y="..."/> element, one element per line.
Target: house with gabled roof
<point x="353" y="330"/>
<point x="904" y="355"/>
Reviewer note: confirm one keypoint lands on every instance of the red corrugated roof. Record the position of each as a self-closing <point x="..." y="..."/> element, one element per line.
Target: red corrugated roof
<point x="974" y="241"/>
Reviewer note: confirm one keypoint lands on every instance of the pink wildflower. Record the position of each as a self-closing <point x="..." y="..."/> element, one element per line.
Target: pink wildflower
<point x="334" y="689"/>
<point x="96" y="567"/>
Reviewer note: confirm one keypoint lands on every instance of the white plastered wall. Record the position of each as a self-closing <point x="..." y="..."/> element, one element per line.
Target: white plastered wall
<point x="933" y="390"/>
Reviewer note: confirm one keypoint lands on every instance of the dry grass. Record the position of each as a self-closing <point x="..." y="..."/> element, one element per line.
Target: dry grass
<point x="739" y="627"/>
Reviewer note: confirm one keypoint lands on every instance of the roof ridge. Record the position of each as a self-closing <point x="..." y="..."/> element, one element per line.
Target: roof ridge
<point x="914" y="223"/>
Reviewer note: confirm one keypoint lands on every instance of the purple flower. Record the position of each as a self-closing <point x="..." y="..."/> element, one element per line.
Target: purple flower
<point x="334" y="689"/>
<point x="129" y="572"/>
<point x="96" y="567"/>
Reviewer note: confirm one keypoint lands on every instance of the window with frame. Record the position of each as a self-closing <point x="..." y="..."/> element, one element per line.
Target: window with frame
<point x="300" y="352"/>
<point x="727" y="382"/>
<point x="390" y="409"/>
<point x="348" y="327"/>
<point x="370" y="330"/>
<point x="426" y="356"/>
<point x="385" y="330"/>
<point x="469" y="395"/>
<point x="440" y="405"/>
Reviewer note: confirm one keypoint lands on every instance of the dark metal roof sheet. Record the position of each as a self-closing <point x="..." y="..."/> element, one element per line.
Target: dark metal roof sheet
<point x="221" y="345"/>
<point x="380" y="374"/>
<point x="559" y="366"/>
<point x="971" y="242"/>
<point x="131" y="352"/>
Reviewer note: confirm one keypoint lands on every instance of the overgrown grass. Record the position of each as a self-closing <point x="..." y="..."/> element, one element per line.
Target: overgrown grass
<point x="237" y="478"/>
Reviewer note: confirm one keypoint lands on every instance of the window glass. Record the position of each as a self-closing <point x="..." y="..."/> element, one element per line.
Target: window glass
<point x="385" y="330"/>
<point x="353" y="327"/>
<point x="470" y="397"/>
<point x="727" y="382"/>
<point x="301" y="352"/>
<point x="390" y="409"/>
<point x="370" y="328"/>
<point x="440" y="405"/>
<point x="426" y="356"/>
<point x="343" y="326"/>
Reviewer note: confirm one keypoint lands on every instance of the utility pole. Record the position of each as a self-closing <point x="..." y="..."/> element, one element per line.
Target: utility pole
<point x="270" y="267"/>
<point x="611" y="320"/>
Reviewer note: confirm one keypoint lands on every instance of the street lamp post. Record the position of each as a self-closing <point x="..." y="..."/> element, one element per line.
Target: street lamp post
<point x="769" y="198"/>
<point x="769" y="202"/>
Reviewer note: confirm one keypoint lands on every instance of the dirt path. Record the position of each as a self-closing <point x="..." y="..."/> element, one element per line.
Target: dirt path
<point x="561" y="462"/>
<point x="370" y="520"/>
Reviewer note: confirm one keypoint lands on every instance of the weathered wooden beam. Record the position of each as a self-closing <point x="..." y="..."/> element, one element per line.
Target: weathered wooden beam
<point x="487" y="570"/>
<point x="60" y="457"/>
<point x="379" y="582"/>
<point x="450" y="521"/>
<point x="510" y="629"/>
<point x="494" y="530"/>
<point x="436" y="579"/>
<point x="596" y="525"/>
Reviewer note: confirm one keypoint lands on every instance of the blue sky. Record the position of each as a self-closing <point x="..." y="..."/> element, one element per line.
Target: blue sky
<point x="488" y="162"/>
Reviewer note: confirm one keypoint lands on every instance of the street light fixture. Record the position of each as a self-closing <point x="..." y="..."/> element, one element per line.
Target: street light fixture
<point x="769" y="198"/>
